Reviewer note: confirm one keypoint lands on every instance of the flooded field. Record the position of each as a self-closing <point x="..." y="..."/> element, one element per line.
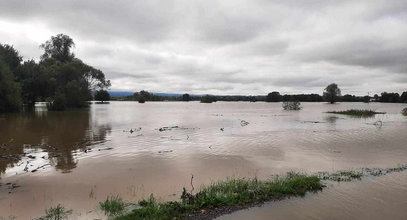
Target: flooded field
<point x="78" y="158"/>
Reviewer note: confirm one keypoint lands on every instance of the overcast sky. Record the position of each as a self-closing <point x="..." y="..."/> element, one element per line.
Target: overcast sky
<point x="225" y="46"/>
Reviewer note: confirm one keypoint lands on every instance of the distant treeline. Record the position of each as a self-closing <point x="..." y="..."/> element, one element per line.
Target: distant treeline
<point x="271" y="97"/>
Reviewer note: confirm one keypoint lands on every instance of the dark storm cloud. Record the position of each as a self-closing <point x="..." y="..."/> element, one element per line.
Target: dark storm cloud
<point x="224" y="47"/>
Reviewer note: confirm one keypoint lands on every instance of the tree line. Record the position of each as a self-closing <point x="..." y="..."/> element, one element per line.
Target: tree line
<point x="59" y="78"/>
<point x="331" y="94"/>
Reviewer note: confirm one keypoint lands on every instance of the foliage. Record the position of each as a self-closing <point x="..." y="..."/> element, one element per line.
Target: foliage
<point x="112" y="206"/>
<point x="274" y="97"/>
<point x="58" y="48"/>
<point x="230" y="192"/>
<point x="58" y="104"/>
<point x="186" y="97"/>
<point x="332" y="92"/>
<point x="404" y="111"/>
<point x="357" y="112"/>
<point x="10" y="97"/>
<point x="102" y="96"/>
<point x="292" y="105"/>
<point x="208" y="99"/>
<point x="59" y="77"/>
<point x="389" y="97"/>
<point x="56" y="213"/>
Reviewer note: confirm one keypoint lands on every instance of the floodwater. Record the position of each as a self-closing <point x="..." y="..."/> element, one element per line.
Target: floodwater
<point x="78" y="158"/>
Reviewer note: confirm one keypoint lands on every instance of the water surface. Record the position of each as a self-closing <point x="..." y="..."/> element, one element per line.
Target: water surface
<point x="78" y="158"/>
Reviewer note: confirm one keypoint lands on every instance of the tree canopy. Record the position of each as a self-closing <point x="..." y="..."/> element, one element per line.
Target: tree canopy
<point x="60" y="78"/>
<point x="332" y="92"/>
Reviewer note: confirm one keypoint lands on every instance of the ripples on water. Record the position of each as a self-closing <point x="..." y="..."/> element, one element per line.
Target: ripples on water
<point x="91" y="154"/>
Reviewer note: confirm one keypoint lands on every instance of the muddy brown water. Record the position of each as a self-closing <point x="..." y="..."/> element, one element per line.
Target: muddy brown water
<point x="78" y="158"/>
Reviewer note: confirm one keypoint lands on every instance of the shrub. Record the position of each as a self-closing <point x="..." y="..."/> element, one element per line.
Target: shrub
<point x="404" y="111"/>
<point x="292" y="105"/>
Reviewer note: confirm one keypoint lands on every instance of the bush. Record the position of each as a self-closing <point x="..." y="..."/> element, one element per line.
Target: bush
<point x="292" y="105"/>
<point x="102" y="96"/>
<point x="208" y="99"/>
<point x="404" y="111"/>
<point x="58" y="104"/>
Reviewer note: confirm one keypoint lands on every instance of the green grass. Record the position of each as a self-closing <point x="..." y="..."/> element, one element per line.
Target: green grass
<point x="230" y="192"/>
<point x="56" y="213"/>
<point x="112" y="206"/>
<point x="357" y="112"/>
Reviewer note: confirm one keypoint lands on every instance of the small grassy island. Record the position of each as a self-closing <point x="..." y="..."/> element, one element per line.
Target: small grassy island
<point x="357" y="112"/>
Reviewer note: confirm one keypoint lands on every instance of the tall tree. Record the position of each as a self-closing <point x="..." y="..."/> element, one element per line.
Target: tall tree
<point x="59" y="48"/>
<point x="273" y="97"/>
<point x="10" y="97"/>
<point x="186" y="97"/>
<point x="332" y="92"/>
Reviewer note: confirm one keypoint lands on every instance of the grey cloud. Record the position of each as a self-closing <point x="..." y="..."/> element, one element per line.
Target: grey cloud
<point x="224" y="46"/>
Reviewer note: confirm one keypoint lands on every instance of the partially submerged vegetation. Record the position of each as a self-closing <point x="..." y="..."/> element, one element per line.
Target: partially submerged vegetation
<point x="292" y="105"/>
<point x="112" y="206"/>
<point x="230" y="192"/>
<point x="56" y="213"/>
<point x="404" y="111"/>
<point x="225" y="196"/>
<point x="357" y="112"/>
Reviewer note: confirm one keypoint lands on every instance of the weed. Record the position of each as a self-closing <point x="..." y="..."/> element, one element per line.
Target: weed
<point x="56" y="213"/>
<point x="112" y="206"/>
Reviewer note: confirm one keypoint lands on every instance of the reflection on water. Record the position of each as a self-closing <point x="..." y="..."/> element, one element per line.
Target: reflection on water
<point x="59" y="134"/>
<point x="77" y="158"/>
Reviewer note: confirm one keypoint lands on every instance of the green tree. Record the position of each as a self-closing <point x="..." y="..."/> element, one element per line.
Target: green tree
<point x="10" y="98"/>
<point x="186" y="97"/>
<point x="102" y="96"/>
<point x="273" y="97"/>
<point x="59" y="48"/>
<point x="332" y="92"/>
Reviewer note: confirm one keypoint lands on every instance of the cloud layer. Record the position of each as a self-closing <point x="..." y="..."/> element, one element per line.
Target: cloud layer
<point x="225" y="46"/>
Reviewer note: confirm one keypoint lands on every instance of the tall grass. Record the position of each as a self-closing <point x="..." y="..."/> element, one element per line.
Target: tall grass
<point x="112" y="206"/>
<point x="56" y="213"/>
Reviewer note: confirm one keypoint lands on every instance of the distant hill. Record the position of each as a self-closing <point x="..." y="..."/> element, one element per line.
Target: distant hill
<point x="120" y="93"/>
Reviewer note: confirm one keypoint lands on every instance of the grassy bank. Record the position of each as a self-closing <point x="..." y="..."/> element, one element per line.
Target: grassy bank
<point x="224" y="196"/>
<point x="357" y="112"/>
<point x="227" y="193"/>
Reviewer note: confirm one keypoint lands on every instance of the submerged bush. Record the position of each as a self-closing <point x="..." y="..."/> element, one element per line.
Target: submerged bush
<point x="404" y="111"/>
<point x="357" y="112"/>
<point x="292" y="105"/>
<point x="208" y="99"/>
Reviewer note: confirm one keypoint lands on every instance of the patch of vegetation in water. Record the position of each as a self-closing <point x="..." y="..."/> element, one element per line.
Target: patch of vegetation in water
<point x="357" y="112"/>
<point x="56" y="213"/>
<point x="112" y="206"/>
<point x="230" y="192"/>
<point x="225" y="196"/>
<point x="404" y="112"/>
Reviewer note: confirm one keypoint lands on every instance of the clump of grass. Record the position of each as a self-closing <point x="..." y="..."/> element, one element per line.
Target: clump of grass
<point x="230" y="192"/>
<point x="404" y="112"/>
<point x="357" y="112"/>
<point x="112" y="206"/>
<point x="56" y="213"/>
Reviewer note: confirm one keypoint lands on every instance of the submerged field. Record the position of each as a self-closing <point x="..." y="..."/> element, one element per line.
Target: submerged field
<point x="79" y="158"/>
